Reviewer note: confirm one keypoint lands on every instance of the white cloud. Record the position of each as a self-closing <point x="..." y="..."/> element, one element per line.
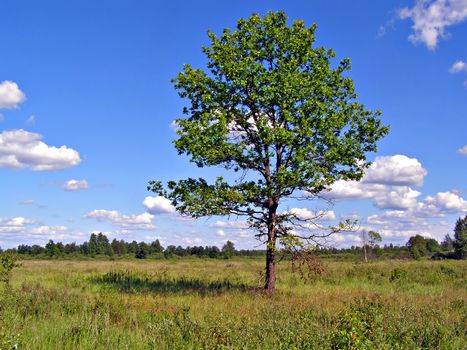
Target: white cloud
<point x="10" y="95"/>
<point x="444" y="202"/>
<point x="431" y="206"/>
<point x="306" y="214"/>
<point x="349" y="238"/>
<point x="462" y="150"/>
<point x="14" y="225"/>
<point x="354" y="190"/>
<point x="399" y="197"/>
<point x="57" y="231"/>
<point x="23" y="149"/>
<point x="158" y="205"/>
<point x="229" y="224"/>
<point x="220" y="233"/>
<point x="75" y="185"/>
<point x="422" y="218"/>
<point x="459" y="66"/>
<point x="124" y="222"/>
<point x="174" y="126"/>
<point x="243" y="234"/>
<point x="31" y="120"/>
<point x="20" y="229"/>
<point x="395" y="170"/>
<point x="386" y="182"/>
<point x="431" y="19"/>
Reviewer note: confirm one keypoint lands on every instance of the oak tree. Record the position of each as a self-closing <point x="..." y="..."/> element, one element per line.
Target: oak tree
<point x="281" y="114"/>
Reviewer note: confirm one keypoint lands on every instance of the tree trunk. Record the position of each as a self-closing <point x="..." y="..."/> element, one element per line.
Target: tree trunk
<point x="270" y="281"/>
<point x="270" y="284"/>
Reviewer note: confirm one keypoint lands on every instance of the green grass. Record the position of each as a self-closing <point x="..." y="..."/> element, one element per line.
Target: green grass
<point x="219" y="304"/>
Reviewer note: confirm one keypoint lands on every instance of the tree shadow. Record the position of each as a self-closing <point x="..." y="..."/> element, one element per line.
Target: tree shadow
<point x="133" y="282"/>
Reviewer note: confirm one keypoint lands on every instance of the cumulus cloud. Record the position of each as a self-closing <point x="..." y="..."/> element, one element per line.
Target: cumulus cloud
<point x="158" y="205"/>
<point x="386" y="182"/>
<point x="10" y="95"/>
<point x="229" y="224"/>
<point x="348" y="238"/>
<point x="75" y="185"/>
<point x="14" y="225"/>
<point x="422" y="218"/>
<point x="462" y="150"/>
<point x="459" y="66"/>
<point x="444" y="202"/>
<point x="124" y="222"/>
<point x="307" y="214"/>
<point x="399" y="197"/>
<point x="21" y="149"/>
<point x="20" y="229"/>
<point x="395" y="170"/>
<point x="432" y="18"/>
<point x="354" y="190"/>
<point x="45" y="230"/>
<point x="220" y="233"/>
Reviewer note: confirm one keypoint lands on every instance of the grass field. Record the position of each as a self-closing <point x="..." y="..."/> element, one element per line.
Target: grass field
<point x="218" y="304"/>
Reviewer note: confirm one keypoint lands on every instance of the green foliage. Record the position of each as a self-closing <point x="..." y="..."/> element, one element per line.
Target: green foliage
<point x="228" y="249"/>
<point x="417" y="246"/>
<point x="272" y="105"/>
<point x="142" y="251"/>
<point x="358" y="327"/>
<point x="460" y="238"/>
<point x="447" y="243"/>
<point x="8" y="261"/>
<point x="9" y="341"/>
<point x="207" y="304"/>
<point x="432" y="245"/>
<point x="52" y="249"/>
<point x="398" y="274"/>
<point x="374" y="238"/>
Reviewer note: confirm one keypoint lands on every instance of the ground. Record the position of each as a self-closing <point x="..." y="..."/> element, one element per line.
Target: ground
<point x="218" y="304"/>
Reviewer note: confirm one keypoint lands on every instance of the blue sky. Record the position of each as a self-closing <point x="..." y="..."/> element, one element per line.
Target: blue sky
<point x="86" y="105"/>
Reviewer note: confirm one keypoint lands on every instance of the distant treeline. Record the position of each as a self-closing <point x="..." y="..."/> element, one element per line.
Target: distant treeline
<point x="415" y="248"/>
<point x="99" y="245"/>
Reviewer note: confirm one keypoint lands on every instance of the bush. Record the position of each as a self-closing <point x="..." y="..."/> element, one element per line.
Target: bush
<point x="398" y="274"/>
<point x="8" y="261"/>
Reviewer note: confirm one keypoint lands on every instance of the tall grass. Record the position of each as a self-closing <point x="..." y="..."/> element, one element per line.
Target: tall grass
<point x="205" y="304"/>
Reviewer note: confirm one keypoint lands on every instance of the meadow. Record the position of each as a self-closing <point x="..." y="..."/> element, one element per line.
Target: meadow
<point x="194" y="303"/>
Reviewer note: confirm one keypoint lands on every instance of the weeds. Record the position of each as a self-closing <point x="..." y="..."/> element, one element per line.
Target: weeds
<point x="209" y="305"/>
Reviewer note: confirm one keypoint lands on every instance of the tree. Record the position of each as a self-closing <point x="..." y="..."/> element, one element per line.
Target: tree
<point x="92" y="245"/>
<point x="51" y="249"/>
<point x="228" y="249"/>
<point x="103" y="245"/>
<point x="447" y="243"/>
<point x="142" y="251"/>
<point x="156" y="247"/>
<point x="8" y="261"/>
<point x="272" y="109"/>
<point x="460" y="238"/>
<point x="369" y="240"/>
<point x="417" y="246"/>
<point x="432" y="245"/>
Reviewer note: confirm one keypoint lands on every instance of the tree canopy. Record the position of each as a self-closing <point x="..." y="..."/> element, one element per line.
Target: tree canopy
<point x="460" y="238"/>
<point x="279" y="112"/>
